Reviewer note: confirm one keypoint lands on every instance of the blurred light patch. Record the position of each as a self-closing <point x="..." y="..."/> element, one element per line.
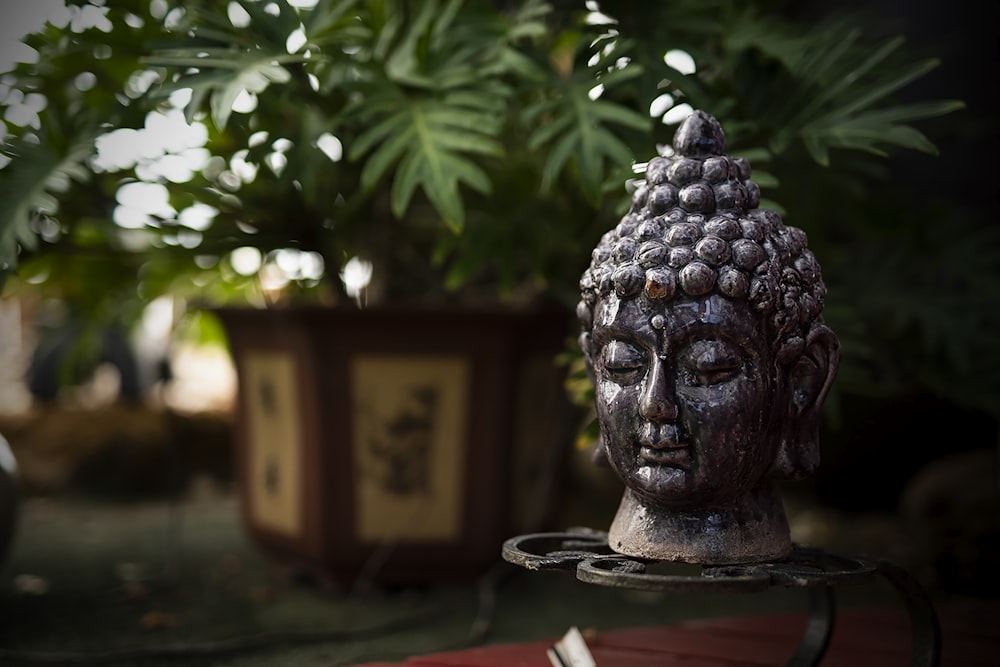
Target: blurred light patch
<point x="356" y="276"/>
<point x="138" y="202"/>
<point x="246" y="261"/>
<point x="205" y="261"/>
<point x="173" y="18"/>
<point x="331" y="146"/>
<point x="257" y="138"/>
<point x="158" y="8"/>
<point x="163" y="134"/>
<point x="680" y="61"/>
<point x="238" y="16"/>
<point x="230" y="180"/>
<point x="282" y="145"/>
<point x="198" y="216"/>
<point x="133" y="21"/>
<point x="661" y="105"/>
<point x="293" y="264"/>
<point x="272" y="278"/>
<point x="189" y="238"/>
<point x="151" y="197"/>
<point x="599" y="18"/>
<point x="296" y="40"/>
<point x="139" y="82"/>
<point x="130" y="218"/>
<point x="276" y="162"/>
<point x="311" y="266"/>
<point x="204" y="379"/>
<point x="180" y="98"/>
<point x="245" y="171"/>
<point x="22" y="110"/>
<point x="84" y="81"/>
<point x="677" y="114"/>
<point x="158" y="318"/>
<point x="245" y="102"/>
<point x="27" y="18"/>
<point x="89" y="16"/>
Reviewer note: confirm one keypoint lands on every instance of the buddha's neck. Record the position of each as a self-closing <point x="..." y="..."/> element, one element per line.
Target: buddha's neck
<point x="751" y="530"/>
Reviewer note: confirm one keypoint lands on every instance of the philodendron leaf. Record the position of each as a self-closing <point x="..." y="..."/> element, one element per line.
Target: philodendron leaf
<point x="845" y="98"/>
<point x="254" y="78"/>
<point x="579" y="129"/>
<point x="434" y="142"/>
<point x="29" y="186"/>
<point x="222" y="74"/>
<point x="873" y="131"/>
<point x="578" y="122"/>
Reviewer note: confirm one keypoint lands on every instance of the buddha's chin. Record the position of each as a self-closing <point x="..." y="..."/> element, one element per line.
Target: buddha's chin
<point x="665" y="485"/>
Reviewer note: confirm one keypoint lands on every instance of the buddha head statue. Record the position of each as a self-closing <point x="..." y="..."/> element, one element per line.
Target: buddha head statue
<point x="702" y="330"/>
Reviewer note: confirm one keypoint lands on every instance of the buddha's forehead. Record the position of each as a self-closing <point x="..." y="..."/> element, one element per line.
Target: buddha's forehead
<point x="731" y="318"/>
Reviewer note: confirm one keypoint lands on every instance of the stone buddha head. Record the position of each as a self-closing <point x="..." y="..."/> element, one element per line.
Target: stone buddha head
<point x="702" y="330"/>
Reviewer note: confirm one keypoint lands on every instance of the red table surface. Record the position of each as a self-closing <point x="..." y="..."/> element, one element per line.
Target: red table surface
<point x="865" y="637"/>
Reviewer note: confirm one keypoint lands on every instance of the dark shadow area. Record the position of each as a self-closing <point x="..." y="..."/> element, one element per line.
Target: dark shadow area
<point x="130" y="547"/>
<point x="177" y="583"/>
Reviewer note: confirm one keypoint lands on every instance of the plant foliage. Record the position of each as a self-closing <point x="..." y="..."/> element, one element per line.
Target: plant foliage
<point x="466" y="146"/>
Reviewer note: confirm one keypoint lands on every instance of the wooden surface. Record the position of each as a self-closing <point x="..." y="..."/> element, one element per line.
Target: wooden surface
<point x="867" y="637"/>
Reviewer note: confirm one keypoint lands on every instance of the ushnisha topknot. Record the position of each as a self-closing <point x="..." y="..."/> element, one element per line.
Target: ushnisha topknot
<point x="695" y="228"/>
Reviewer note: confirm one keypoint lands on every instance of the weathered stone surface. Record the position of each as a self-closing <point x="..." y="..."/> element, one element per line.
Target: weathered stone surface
<point x="703" y="334"/>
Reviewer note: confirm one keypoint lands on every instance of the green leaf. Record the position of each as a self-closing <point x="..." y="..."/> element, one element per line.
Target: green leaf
<point x="581" y="131"/>
<point x="29" y="185"/>
<point x="221" y="75"/>
<point x="826" y="55"/>
<point x="380" y="132"/>
<point x="838" y="88"/>
<point x="254" y="78"/>
<point x="883" y="89"/>
<point x="379" y="162"/>
<point x="438" y="174"/>
<point x="559" y="154"/>
<point x="558" y="125"/>
<point x="764" y="179"/>
<point x="915" y="111"/>
<point x="433" y="139"/>
<point x="817" y="148"/>
<point x="327" y="16"/>
<point x="619" y="115"/>
<point x="402" y="63"/>
<point x="446" y="19"/>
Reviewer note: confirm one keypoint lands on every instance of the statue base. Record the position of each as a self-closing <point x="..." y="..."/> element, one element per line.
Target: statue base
<point x="753" y="530"/>
<point x="588" y="554"/>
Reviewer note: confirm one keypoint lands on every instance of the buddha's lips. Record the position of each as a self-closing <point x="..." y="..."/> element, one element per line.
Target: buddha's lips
<point x="662" y="436"/>
<point x="677" y="455"/>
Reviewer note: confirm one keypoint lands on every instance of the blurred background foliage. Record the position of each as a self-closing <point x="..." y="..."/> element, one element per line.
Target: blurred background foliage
<point x="474" y="152"/>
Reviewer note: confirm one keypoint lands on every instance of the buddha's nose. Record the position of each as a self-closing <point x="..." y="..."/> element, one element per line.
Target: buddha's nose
<point x="658" y="402"/>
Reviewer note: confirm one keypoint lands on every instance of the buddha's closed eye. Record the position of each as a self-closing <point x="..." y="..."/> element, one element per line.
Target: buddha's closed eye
<point x="700" y="363"/>
<point x="623" y="362"/>
<point x="708" y="362"/>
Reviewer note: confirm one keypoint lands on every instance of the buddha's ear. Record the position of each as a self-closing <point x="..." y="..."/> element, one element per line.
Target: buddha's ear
<point x="588" y="360"/>
<point x="810" y="378"/>
<point x="600" y="454"/>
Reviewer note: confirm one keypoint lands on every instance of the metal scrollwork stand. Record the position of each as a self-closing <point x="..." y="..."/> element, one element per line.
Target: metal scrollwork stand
<point x="587" y="553"/>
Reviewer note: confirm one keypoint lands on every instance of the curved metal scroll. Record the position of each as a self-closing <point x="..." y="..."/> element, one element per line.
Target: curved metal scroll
<point x="586" y="552"/>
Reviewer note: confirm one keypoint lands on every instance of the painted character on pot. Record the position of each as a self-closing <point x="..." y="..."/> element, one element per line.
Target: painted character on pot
<point x="703" y="335"/>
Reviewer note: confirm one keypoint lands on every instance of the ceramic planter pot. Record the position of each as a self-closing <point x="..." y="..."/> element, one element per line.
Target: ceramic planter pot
<point x="396" y="445"/>
<point x="8" y="497"/>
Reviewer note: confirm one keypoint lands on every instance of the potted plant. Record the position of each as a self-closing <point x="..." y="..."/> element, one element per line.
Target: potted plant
<point x="468" y="153"/>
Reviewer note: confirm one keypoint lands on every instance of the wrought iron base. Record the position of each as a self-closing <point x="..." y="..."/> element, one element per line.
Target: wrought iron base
<point x="587" y="553"/>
